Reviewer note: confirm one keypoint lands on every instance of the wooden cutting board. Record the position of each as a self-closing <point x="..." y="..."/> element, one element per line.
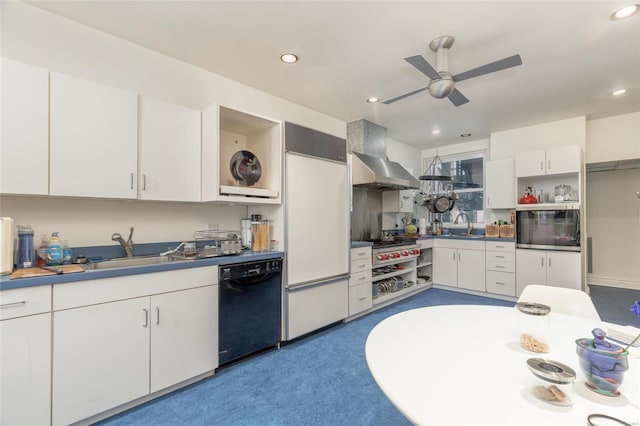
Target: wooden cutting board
<point x="44" y="271"/>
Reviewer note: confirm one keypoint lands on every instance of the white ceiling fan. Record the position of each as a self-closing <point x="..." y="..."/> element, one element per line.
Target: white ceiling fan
<point x="441" y="81"/>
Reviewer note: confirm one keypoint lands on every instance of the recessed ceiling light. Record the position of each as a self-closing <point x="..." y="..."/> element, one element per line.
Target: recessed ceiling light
<point x="625" y="11"/>
<point x="465" y="135"/>
<point x="373" y="100"/>
<point x="289" y="58"/>
<point x="435" y="132"/>
<point x="619" y="92"/>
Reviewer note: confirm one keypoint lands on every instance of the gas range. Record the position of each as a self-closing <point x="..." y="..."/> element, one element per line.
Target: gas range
<point x="384" y="254"/>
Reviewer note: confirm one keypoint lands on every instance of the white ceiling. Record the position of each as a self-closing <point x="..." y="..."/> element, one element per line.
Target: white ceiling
<point x="572" y="54"/>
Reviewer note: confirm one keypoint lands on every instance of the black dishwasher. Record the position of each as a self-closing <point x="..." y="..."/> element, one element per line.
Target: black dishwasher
<point x="250" y="303"/>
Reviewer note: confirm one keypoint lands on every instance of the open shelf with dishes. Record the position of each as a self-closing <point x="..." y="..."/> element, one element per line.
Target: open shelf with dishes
<point x="241" y="157"/>
<point x="393" y="279"/>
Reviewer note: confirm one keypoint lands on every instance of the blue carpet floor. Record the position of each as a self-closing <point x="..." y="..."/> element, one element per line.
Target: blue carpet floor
<point x="319" y="380"/>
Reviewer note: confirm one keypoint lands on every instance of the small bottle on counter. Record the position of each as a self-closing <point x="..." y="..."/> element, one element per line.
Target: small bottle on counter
<point x="66" y="253"/>
<point x="41" y="258"/>
<point x="55" y="251"/>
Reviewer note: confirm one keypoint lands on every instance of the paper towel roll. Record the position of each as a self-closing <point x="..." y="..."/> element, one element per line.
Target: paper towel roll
<point x="422" y="226"/>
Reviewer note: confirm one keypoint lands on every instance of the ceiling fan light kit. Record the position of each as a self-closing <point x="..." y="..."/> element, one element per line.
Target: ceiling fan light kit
<point x="441" y="81"/>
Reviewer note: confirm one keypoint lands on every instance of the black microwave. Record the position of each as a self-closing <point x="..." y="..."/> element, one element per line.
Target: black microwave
<point x="548" y="229"/>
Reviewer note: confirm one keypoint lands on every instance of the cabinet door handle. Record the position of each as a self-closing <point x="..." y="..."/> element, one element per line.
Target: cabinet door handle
<point x="541" y="165"/>
<point x="542" y="262"/>
<point x="362" y="253"/>
<point x="144" y="182"/>
<point x="499" y="246"/>
<point x="362" y="278"/>
<point x="498" y="266"/>
<point x="157" y="315"/>
<point x="498" y="282"/>
<point x="14" y="304"/>
<point x="548" y="164"/>
<point x="454" y="257"/>
<point x="500" y="257"/>
<point x="362" y="298"/>
<point x="146" y="317"/>
<point x="362" y="266"/>
<point x="549" y="263"/>
<point x="131" y="181"/>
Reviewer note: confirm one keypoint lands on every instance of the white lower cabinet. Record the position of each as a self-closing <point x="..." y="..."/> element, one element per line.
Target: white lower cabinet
<point x="25" y="356"/>
<point x="459" y="263"/>
<point x="108" y="352"/>
<point x="554" y="268"/>
<point x="360" y="296"/>
<point x="100" y="358"/>
<point x="501" y="268"/>
<point x="183" y="335"/>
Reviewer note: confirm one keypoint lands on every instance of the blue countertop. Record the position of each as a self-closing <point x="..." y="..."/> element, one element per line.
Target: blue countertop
<point x="477" y="237"/>
<point x="6" y="283"/>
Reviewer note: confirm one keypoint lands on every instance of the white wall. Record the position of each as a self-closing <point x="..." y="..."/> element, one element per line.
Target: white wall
<point x="507" y="143"/>
<point x="407" y="155"/>
<point x="613" y="214"/>
<point x="37" y="37"/>
<point x="613" y="138"/>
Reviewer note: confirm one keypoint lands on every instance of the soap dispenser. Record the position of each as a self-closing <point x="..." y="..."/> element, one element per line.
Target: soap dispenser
<point x="54" y="252"/>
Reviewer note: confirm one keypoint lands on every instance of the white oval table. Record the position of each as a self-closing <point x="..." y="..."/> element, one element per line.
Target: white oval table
<point x="462" y="364"/>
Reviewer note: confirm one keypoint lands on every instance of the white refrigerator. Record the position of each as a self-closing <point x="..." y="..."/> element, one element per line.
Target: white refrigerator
<point x="317" y="230"/>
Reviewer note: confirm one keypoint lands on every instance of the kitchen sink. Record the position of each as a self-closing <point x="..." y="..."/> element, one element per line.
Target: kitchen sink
<point x="124" y="262"/>
<point x="462" y="236"/>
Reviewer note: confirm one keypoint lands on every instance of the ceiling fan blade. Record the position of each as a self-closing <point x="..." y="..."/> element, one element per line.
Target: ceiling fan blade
<point x="421" y="64"/>
<point x="457" y="98"/>
<point x="502" y="64"/>
<point x="406" y="95"/>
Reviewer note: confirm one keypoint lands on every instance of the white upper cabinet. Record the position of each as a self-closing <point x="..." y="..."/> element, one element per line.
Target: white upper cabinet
<point x="225" y="132"/>
<point x="93" y="139"/>
<point x="169" y="151"/>
<point x="500" y="184"/>
<point x="551" y="161"/>
<point x="24" y="138"/>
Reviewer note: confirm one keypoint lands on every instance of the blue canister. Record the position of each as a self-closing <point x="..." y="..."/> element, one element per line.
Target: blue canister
<point x="26" y="252"/>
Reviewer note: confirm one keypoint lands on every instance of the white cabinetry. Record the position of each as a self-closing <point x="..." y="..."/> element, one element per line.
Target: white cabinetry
<point x="500" y="258"/>
<point x="93" y="139"/>
<point x="25" y="356"/>
<point x="226" y="131"/>
<point x="459" y="263"/>
<point x="24" y="138"/>
<point x="398" y="201"/>
<point x="169" y="150"/>
<point x="554" y="268"/>
<point x="566" y="159"/>
<point x="360" y="280"/>
<point x="500" y="189"/>
<point x="119" y="339"/>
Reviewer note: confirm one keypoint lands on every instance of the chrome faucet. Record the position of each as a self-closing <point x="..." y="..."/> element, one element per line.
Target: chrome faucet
<point x="127" y="246"/>
<point x="469" y="224"/>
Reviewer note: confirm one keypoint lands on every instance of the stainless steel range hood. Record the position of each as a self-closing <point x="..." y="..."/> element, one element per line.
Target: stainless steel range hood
<point x="376" y="173"/>
<point x="371" y="169"/>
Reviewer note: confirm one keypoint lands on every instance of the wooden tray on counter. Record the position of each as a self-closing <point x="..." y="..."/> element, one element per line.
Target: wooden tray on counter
<point x="45" y="271"/>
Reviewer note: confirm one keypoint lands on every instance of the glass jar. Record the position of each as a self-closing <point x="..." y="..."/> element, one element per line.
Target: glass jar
<point x="533" y="326"/>
<point x="552" y="382"/>
<point x="260" y="235"/>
